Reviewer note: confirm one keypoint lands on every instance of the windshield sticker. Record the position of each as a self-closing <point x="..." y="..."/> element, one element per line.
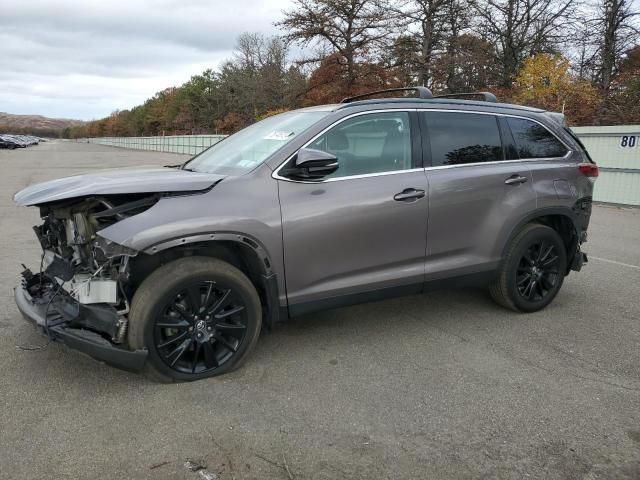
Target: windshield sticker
<point x="281" y="136"/>
<point x="246" y="163"/>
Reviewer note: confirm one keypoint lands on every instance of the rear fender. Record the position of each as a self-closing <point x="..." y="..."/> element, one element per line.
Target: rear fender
<point x="577" y="221"/>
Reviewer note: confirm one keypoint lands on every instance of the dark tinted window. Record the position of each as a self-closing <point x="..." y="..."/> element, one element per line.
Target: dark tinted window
<point x="533" y="140"/>
<point x="458" y="138"/>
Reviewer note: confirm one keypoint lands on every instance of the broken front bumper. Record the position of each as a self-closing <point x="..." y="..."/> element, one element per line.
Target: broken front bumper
<point x="82" y="340"/>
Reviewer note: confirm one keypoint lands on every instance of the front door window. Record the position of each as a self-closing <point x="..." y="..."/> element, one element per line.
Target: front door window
<point x="371" y="143"/>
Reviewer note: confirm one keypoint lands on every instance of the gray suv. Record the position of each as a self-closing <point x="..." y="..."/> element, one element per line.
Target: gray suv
<point x="176" y="270"/>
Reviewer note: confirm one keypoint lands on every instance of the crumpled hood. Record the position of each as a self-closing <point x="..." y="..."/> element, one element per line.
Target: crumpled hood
<point x="113" y="182"/>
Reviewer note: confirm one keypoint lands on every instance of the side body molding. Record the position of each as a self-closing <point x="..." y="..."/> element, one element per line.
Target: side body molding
<point x="238" y="237"/>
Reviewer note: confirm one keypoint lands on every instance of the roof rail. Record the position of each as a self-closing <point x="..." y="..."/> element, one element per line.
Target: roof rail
<point x="422" y="92"/>
<point x="486" y="96"/>
<point x="556" y="117"/>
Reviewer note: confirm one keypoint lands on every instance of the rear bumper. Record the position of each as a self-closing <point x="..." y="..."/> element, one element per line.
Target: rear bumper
<point x="83" y="340"/>
<point x="579" y="259"/>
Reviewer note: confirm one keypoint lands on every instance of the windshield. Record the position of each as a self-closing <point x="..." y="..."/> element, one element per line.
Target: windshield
<point x="243" y="151"/>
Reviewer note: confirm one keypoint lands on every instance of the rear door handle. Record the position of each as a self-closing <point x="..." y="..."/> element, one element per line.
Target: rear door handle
<point x="409" y="194"/>
<point x="515" y="180"/>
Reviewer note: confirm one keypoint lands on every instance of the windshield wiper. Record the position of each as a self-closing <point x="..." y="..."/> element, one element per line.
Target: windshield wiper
<point x="180" y="167"/>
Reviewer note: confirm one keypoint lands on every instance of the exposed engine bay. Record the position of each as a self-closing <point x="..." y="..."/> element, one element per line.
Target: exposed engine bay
<point x="83" y="277"/>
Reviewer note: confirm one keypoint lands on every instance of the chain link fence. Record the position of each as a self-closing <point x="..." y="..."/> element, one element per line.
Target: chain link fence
<point x="183" y="144"/>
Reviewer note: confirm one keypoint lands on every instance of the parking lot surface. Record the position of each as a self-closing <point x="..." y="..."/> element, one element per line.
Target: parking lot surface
<point x="436" y="386"/>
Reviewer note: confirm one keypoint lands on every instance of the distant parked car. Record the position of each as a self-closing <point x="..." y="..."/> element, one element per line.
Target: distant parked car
<point x="29" y="140"/>
<point x="22" y="140"/>
<point x="6" y="142"/>
<point x="17" y="140"/>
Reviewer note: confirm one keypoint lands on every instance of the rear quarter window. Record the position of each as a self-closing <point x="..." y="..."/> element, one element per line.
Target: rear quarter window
<point x="535" y="141"/>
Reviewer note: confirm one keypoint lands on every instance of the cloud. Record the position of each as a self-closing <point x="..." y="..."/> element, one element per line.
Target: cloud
<point x="84" y="59"/>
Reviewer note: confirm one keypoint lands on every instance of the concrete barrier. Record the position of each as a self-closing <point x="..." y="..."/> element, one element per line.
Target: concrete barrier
<point x="616" y="151"/>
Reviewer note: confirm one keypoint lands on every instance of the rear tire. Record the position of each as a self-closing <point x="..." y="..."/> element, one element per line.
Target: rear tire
<point x="198" y="317"/>
<point x="532" y="271"/>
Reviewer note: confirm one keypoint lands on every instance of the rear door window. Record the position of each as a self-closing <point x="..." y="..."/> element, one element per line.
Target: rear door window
<point x="535" y="141"/>
<point x="461" y="138"/>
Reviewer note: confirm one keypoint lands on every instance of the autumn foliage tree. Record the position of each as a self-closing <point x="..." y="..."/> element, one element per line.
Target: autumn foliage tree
<point x="546" y="82"/>
<point x="330" y="82"/>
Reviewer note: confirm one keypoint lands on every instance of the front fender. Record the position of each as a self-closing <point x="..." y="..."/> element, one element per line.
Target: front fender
<point x="242" y="209"/>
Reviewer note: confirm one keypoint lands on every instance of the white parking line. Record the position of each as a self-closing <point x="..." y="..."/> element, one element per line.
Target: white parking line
<point x="614" y="262"/>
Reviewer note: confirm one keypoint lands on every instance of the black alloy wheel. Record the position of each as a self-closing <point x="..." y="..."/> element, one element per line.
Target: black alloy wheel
<point x="200" y="328"/>
<point x="532" y="270"/>
<point x="197" y="317"/>
<point x="537" y="273"/>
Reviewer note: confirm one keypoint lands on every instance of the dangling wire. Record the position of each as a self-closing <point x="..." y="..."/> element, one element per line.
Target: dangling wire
<point x="46" y="324"/>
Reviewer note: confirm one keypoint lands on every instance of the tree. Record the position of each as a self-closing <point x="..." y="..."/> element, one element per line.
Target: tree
<point x="327" y="84"/>
<point x="350" y="28"/>
<point x="199" y="102"/>
<point x="259" y="78"/>
<point x="116" y="124"/>
<point x="520" y="28"/>
<point x="401" y="55"/>
<point x="157" y="112"/>
<point x="622" y="106"/>
<point x="468" y="65"/>
<point x="416" y="52"/>
<point x="457" y="20"/>
<point x="230" y="123"/>
<point x="544" y="81"/>
<point x="617" y="32"/>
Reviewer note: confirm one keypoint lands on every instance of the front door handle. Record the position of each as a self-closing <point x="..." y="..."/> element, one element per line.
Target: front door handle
<point x="409" y="195"/>
<point x="515" y="180"/>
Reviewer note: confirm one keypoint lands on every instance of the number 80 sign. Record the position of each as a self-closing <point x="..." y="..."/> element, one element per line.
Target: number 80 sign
<point x="629" y="141"/>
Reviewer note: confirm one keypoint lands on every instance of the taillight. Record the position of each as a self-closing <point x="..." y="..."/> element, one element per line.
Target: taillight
<point x="588" y="169"/>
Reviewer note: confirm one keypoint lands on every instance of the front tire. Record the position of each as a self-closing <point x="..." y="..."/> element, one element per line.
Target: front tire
<point x="198" y="317"/>
<point x="532" y="271"/>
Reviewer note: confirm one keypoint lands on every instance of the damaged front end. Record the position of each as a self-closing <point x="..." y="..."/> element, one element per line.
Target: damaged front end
<point x="81" y="293"/>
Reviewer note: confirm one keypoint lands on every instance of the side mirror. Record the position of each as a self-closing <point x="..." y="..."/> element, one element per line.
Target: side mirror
<point x="312" y="165"/>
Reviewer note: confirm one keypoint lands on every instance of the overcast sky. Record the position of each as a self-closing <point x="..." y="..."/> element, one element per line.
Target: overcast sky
<point x="85" y="58"/>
